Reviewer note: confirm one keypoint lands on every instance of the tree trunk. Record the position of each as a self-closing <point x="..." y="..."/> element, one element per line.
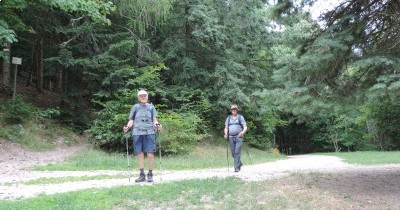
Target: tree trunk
<point x="373" y="131"/>
<point x="336" y="143"/>
<point x="65" y="81"/>
<point x="6" y="65"/>
<point x="188" y="28"/>
<point x="39" y="70"/>
<point x="32" y="69"/>
<point x="59" y="80"/>
<point x="50" y="85"/>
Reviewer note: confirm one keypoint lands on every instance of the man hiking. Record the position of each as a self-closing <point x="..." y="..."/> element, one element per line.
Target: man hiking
<point x="143" y="120"/>
<point x="235" y="128"/>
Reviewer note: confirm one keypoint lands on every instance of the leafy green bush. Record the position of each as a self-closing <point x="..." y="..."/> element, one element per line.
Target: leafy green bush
<point x="17" y="111"/>
<point x="388" y="122"/>
<point x="261" y="123"/>
<point x="336" y="129"/>
<point x="383" y="123"/>
<point x="16" y="132"/>
<point x="259" y="141"/>
<point x="179" y="135"/>
<point x="106" y="130"/>
<point x="3" y="133"/>
<point x="49" y="113"/>
<point x="180" y="132"/>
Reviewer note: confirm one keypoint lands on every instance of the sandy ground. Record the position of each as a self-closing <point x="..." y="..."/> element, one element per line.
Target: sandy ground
<point x="370" y="182"/>
<point x="15" y="161"/>
<point x="369" y="187"/>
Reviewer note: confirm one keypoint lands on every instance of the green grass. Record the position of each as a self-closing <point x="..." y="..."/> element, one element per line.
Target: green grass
<point x="38" y="135"/>
<point x="177" y="195"/>
<point x="367" y="157"/>
<point x="230" y="193"/>
<point x="58" y="180"/>
<point x="214" y="193"/>
<point x="203" y="156"/>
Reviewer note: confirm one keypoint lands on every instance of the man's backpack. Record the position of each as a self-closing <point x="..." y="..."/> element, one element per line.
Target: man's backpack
<point x="151" y="109"/>
<point x="236" y="123"/>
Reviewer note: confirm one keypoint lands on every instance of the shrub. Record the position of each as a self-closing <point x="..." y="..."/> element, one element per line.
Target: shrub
<point x="180" y="132"/>
<point x="3" y="133"/>
<point x="261" y="123"/>
<point x="17" y="111"/>
<point x="385" y="121"/>
<point x="16" y="133"/>
<point x="49" y="113"/>
<point x="106" y="130"/>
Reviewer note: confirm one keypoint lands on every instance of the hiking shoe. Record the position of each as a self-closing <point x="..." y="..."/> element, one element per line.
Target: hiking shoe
<point x="240" y="166"/>
<point x="237" y="170"/>
<point x="149" y="177"/>
<point x="141" y="178"/>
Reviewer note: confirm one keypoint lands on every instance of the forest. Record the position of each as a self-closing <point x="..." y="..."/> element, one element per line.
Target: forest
<point x="303" y="84"/>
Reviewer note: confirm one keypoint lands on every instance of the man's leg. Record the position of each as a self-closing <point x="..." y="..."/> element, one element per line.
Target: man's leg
<point x="150" y="156"/>
<point x="140" y="158"/>
<point x="232" y="145"/>
<point x="137" y="147"/>
<point x="238" y="151"/>
<point x="150" y="148"/>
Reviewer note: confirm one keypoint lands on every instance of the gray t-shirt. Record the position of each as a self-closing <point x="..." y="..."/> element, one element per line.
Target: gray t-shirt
<point x="234" y="124"/>
<point x="142" y="120"/>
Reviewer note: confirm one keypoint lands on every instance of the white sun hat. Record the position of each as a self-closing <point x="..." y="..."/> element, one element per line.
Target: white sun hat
<point x="142" y="92"/>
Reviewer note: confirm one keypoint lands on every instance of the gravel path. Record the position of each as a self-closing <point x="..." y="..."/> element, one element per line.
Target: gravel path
<point x="14" y="173"/>
<point x="15" y="160"/>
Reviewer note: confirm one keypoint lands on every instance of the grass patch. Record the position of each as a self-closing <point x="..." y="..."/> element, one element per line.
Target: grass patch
<point x="214" y="193"/>
<point x="57" y="180"/>
<point x="91" y="159"/>
<point x="203" y="156"/>
<point x="38" y="135"/>
<point x="367" y="157"/>
<point x="176" y="195"/>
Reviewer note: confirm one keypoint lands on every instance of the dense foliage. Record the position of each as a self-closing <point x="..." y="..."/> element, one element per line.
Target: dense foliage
<point x="17" y="111"/>
<point x="304" y="85"/>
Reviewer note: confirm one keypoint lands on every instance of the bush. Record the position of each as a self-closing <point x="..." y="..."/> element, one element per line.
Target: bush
<point x="261" y="123"/>
<point x="259" y="141"/>
<point x="3" y="133"/>
<point x="180" y="132"/>
<point x="16" y="133"/>
<point x="49" y="113"/>
<point x="17" y="111"/>
<point x="385" y="117"/>
<point x="106" y="130"/>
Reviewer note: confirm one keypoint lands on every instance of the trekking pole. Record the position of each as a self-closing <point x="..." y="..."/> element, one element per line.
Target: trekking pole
<point x="127" y="157"/>
<point x="159" y="147"/>
<point x="227" y="154"/>
<point x="248" y="154"/>
<point x="227" y="147"/>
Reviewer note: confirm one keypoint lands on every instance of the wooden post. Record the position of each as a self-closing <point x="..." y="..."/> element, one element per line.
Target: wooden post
<point x="16" y="61"/>
<point x="15" y="82"/>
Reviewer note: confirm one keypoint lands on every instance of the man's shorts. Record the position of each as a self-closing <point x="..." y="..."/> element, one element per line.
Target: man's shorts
<point x="144" y="143"/>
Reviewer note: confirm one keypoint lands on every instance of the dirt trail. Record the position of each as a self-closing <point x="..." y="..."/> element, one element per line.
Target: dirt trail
<point x="12" y="180"/>
<point x="15" y="160"/>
